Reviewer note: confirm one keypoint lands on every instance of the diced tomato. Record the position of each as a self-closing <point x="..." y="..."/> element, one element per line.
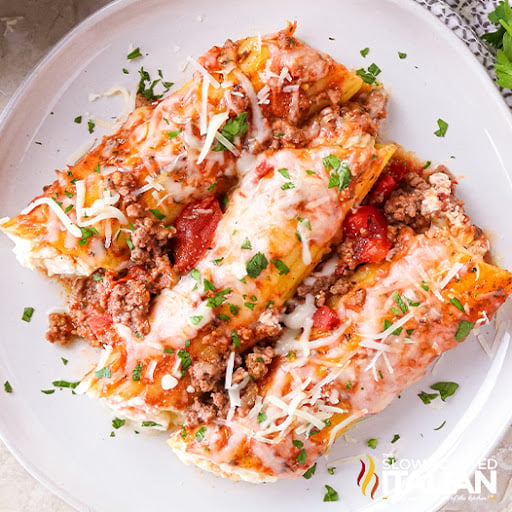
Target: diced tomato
<point x="195" y="228"/>
<point x="368" y="227"/>
<point x="325" y="319"/>
<point x="99" y="323"/>
<point x="382" y="189"/>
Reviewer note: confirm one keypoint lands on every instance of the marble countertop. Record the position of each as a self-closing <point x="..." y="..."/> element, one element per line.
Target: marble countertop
<point x="28" y="29"/>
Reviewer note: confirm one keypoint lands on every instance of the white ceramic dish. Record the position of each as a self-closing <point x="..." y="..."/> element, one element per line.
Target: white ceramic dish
<point x="64" y="440"/>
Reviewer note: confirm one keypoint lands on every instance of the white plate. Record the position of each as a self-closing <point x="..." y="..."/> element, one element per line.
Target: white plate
<point x="64" y="439"/>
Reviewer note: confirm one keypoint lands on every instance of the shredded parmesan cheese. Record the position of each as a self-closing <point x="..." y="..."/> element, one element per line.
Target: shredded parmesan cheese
<point x="215" y="123"/>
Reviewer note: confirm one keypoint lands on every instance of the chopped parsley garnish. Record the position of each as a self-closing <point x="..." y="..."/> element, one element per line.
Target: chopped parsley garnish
<point x="364" y="52"/>
<point x="232" y="128"/>
<point x="249" y="305"/>
<point x="168" y="350"/>
<point x="90" y="126"/>
<point x="118" y="423"/>
<point x="208" y="285"/>
<point x="305" y="222"/>
<point x="97" y="277"/>
<point x="262" y="416"/>
<point x="137" y="372"/>
<point x="297" y="443"/>
<point x="256" y="265"/>
<point x="224" y="318"/>
<point x="200" y="434"/>
<point x="287" y="186"/>
<point x="187" y="343"/>
<point x="396" y="437"/>
<point x="348" y="385"/>
<point x="457" y="304"/>
<point x="310" y="472"/>
<point x="157" y="213"/>
<point x="302" y="457"/>
<point x="369" y="76"/>
<point x="68" y="208"/>
<point x="103" y="373"/>
<point x="426" y="398"/>
<point x="86" y="234"/>
<point x="129" y="243"/>
<point x="150" y="424"/>
<point x="68" y="194"/>
<point x="441" y="426"/>
<point x="331" y="470"/>
<point x="146" y="86"/>
<point x="27" y="314"/>
<point x="186" y="362"/>
<point x="7" y="387"/>
<point x="173" y="135"/>
<point x="391" y="460"/>
<point x="217" y="299"/>
<point x="194" y="320"/>
<point x="195" y="275"/>
<point x="125" y="71"/>
<point x="64" y="361"/>
<point x="183" y="433"/>
<point x="443" y="128"/>
<point x="97" y="168"/>
<point x="445" y="389"/>
<point x="212" y="186"/>
<point x="65" y="384"/>
<point x="234" y="309"/>
<point x="396" y="311"/>
<point x="388" y="324"/>
<point x="501" y="39"/>
<point x="310" y="172"/>
<point x="340" y="173"/>
<point x="48" y="391"/>
<point x="402" y="55"/>
<point x="283" y="269"/>
<point x="424" y="285"/>
<point x="330" y="494"/>
<point x="372" y="443"/>
<point x="246" y="244"/>
<point x="400" y="303"/>
<point x="78" y="119"/>
<point x="134" y="54"/>
<point x="236" y="339"/>
<point x="284" y="173"/>
<point x="463" y="329"/>
<point x="412" y="303"/>
<point x="428" y="163"/>
<point x="218" y="261"/>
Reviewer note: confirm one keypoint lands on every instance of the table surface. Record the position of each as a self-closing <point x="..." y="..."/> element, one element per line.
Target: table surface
<point x="28" y="29"/>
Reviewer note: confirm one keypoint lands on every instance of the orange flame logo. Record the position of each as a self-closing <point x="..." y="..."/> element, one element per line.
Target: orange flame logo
<point x="364" y="482"/>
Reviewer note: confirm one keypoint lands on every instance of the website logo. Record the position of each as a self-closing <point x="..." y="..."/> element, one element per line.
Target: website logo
<point x="366" y="475"/>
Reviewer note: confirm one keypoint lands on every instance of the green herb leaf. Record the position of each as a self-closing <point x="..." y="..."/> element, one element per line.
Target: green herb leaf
<point x="256" y="265"/>
<point x="183" y="432"/>
<point x="283" y="269"/>
<point x="331" y="470"/>
<point x="200" y="434"/>
<point x="146" y="86"/>
<point x="396" y="437"/>
<point x="136" y="373"/>
<point x="90" y="126"/>
<point x="400" y="303"/>
<point x="445" y="389"/>
<point x="168" y="350"/>
<point x="443" y="128"/>
<point x="86" y="234"/>
<point x="441" y="426"/>
<point x="65" y="384"/>
<point x="186" y="362"/>
<point x="150" y="424"/>
<point x="262" y="416"/>
<point x="372" y="443"/>
<point x="27" y="314"/>
<point x="48" y="391"/>
<point x="426" y="398"/>
<point x="297" y="443"/>
<point x="173" y="135"/>
<point x="402" y="55"/>
<point x="233" y="309"/>
<point x="157" y="213"/>
<point x="457" y="304"/>
<point x="134" y="54"/>
<point x="208" y="285"/>
<point x="118" y="423"/>
<point x="237" y="126"/>
<point x="310" y="472"/>
<point x="369" y="76"/>
<point x="218" y="298"/>
<point x="287" y="186"/>
<point x="330" y="494"/>
<point x="246" y="244"/>
<point x="236" y="339"/>
<point x="210" y="189"/>
<point x="284" y="173"/>
<point x="103" y="373"/>
<point x="364" y="52"/>
<point x="78" y="119"/>
<point x="463" y="329"/>
<point x="302" y="456"/>
<point x="194" y="320"/>
<point x="7" y="387"/>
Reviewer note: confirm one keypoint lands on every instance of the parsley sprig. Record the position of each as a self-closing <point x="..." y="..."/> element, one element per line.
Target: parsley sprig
<point x="501" y="39"/>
